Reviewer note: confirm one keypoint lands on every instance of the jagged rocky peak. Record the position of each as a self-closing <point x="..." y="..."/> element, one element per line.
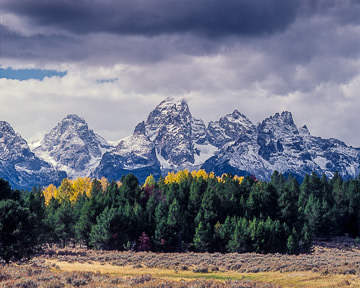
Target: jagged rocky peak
<point x="19" y="165"/>
<point x="71" y="126"/>
<point x="279" y="125"/>
<point x="140" y="128"/>
<point x="278" y="134"/>
<point x="6" y="128"/>
<point x="11" y="143"/>
<point x="228" y="128"/>
<point x="169" y="127"/>
<point x="285" y="118"/>
<point x="74" y="118"/>
<point x="304" y="131"/>
<point x="168" y="112"/>
<point x="73" y="130"/>
<point x="72" y="146"/>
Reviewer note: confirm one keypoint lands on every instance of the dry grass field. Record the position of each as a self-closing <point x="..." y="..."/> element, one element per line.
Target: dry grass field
<point x="332" y="264"/>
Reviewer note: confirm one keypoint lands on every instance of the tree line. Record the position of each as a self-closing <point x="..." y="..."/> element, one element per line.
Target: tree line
<point x="184" y="211"/>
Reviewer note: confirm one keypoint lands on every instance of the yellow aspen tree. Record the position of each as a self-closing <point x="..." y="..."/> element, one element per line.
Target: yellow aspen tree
<point x="104" y="183"/>
<point x="170" y="178"/>
<point x="49" y="192"/>
<point x="149" y="181"/>
<point x="193" y="173"/>
<point x="66" y="190"/>
<point x="211" y="175"/>
<point x="81" y="185"/>
<point x="239" y="178"/>
<point x="202" y="173"/>
<point x="181" y="175"/>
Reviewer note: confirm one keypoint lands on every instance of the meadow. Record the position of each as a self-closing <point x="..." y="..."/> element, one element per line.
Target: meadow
<point x="334" y="263"/>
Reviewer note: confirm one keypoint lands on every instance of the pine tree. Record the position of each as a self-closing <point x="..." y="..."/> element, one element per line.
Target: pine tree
<point x="18" y="231"/>
<point x="5" y="190"/>
<point x="161" y="230"/>
<point x="174" y="226"/>
<point x="65" y="223"/>
<point x="202" y="237"/>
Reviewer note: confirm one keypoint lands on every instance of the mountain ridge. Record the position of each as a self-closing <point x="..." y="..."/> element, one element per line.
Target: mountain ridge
<point x="171" y="139"/>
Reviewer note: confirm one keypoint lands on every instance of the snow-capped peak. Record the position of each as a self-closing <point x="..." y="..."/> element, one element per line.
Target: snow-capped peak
<point x="6" y="128"/>
<point x="19" y="165"/>
<point x="283" y="119"/>
<point x="71" y="146"/>
<point x="74" y="118"/>
<point x="228" y="128"/>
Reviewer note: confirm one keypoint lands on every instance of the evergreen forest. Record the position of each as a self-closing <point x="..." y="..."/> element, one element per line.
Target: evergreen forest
<point x="181" y="212"/>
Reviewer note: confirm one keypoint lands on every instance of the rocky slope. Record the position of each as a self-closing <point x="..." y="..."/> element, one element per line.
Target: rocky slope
<point x="21" y="167"/>
<point x="134" y="154"/>
<point x="72" y="147"/>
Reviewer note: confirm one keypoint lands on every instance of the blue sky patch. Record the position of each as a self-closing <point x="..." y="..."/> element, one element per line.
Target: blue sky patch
<point x="26" y="74"/>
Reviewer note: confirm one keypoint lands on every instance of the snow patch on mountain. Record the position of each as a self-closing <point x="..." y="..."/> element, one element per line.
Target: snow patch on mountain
<point x="204" y="152"/>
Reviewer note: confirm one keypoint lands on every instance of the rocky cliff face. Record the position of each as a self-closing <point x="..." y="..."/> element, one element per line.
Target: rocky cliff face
<point x="169" y="127"/>
<point x="72" y="147"/>
<point x="21" y="167"/>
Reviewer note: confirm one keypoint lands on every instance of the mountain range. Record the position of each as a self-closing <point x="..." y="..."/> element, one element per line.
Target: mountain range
<point x="171" y="139"/>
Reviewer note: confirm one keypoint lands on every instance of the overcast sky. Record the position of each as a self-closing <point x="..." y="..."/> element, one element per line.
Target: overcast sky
<point x="113" y="61"/>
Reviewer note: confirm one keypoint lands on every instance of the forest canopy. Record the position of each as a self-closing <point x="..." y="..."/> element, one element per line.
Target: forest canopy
<point x="185" y="211"/>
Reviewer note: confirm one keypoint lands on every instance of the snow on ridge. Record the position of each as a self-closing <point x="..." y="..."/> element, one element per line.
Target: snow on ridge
<point x="206" y="151"/>
<point x="321" y="161"/>
<point x="276" y="143"/>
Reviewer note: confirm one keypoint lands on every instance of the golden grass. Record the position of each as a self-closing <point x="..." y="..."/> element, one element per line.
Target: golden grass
<point x="286" y="279"/>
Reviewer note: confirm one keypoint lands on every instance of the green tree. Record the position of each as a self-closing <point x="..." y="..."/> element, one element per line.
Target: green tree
<point x="202" y="237"/>
<point x="240" y="240"/>
<point x="5" y="190"/>
<point x="101" y="234"/>
<point x="130" y="189"/>
<point x="161" y="233"/>
<point x="18" y="231"/>
<point x="174" y="226"/>
<point x="107" y="233"/>
<point x="65" y="223"/>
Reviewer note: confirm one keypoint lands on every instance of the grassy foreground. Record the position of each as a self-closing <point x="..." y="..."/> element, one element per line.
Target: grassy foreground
<point x="332" y="264"/>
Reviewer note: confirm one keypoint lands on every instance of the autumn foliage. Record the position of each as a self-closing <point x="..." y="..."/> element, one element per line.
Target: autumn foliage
<point x="71" y="189"/>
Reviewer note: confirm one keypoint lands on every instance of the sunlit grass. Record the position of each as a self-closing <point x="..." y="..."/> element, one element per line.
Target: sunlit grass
<point x="286" y="279"/>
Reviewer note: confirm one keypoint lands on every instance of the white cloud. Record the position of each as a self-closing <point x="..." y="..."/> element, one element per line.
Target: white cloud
<point x="312" y="68"/>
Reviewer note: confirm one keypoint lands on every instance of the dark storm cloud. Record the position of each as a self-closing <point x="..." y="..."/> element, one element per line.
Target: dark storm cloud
<point x="15" y="45"/>
<point x="259" y="56"/>
<point x="142" y="17"/>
